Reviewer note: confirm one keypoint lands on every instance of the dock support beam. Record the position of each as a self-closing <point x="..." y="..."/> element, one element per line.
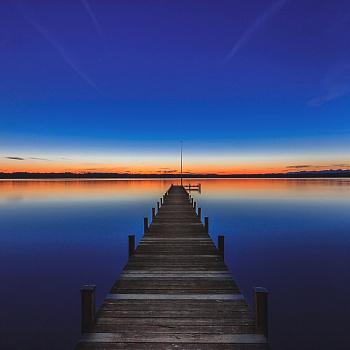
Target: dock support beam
<point x="131" y="245"/>
<point x="145" y="224"/>
<point x="206" y="223"/>
<point x="87" y="307"/>
<point x="221" y="245"/>
<point x="153" y="213"/>
<point x="200" y="213"/>
<point x="260" y="310"/>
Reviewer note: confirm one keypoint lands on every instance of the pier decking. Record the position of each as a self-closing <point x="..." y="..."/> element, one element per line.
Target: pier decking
<point x="175" y="292"/>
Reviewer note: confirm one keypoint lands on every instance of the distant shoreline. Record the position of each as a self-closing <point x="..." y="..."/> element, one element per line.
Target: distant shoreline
<point x="299" y="175"/>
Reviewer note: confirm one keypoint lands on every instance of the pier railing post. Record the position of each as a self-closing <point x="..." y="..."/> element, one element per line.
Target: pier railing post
<point x="260" y="310"/>
<point x="157" y="206"/>
<point x="200" y="213"/>
<point x="161" y="201"/>
<point x="131" y="245"/>
<point x="206" y="223"/>
<point x="145" y="224"/>
<point x="221" y="245"/>
<point x="153" y="213"/>
<point x="87" y="307"/>
<point x="194" y="205"/>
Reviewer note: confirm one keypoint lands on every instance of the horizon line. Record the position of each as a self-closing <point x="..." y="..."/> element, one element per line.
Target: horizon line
<point x="52" y="175"/>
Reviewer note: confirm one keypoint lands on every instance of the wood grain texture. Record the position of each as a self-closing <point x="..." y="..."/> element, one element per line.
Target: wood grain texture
<point x="175" y="292"/>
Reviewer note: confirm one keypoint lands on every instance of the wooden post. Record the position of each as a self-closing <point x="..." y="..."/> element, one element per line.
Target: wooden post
<point x="260" y="310"/>
<point x="192" y="200"/>
<point x="131" y="245"/>
<point x="221" y="245"/>
<point x="87" y="307"/>
<point x="200" y="213"/>
<point x="194" y="205"/>
<point x="153" y="213"/>
<point x="161" y="201"/>
<point x="206" y="223"/>
<point x="157" y="207"/>
<point x="145" y="224"/>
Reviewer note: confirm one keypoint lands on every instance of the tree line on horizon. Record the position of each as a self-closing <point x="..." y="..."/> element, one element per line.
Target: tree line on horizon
<point x="297" y="174"/>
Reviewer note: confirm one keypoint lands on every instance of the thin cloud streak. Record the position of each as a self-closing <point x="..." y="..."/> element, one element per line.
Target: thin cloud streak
<point x="341" y="165"/>
<point x="63" y="53"/>
<point x="334" y="93"/>
<point x="93" y="18"/>
<point x="254" y="27"/>
<point x="306" y="166"/>
<point x="336" y="83"/>
<point x="15" y="158"/>
<point x="43" y="159"/>
<point x="299" y="166"/>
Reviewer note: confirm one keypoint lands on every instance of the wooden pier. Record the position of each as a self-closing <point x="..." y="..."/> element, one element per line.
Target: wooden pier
<point x="175" y="292"/>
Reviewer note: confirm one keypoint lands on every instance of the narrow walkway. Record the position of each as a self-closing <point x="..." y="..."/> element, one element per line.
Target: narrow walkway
<point x="175" y="292"/>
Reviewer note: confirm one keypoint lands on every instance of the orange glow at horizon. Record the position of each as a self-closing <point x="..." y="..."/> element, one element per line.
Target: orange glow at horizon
<point x="151" y="170"/>
<point x="163" y="165"/>
<point x="224" y="170"/>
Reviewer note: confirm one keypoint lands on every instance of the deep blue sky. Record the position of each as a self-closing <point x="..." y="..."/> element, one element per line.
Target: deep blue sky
<point x="114" y="85"/>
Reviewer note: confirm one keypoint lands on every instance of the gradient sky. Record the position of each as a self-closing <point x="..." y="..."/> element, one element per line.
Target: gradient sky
<point x="114" y="85"/>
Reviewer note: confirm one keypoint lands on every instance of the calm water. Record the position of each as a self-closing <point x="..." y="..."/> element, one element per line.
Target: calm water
<point x="290" y="236"/>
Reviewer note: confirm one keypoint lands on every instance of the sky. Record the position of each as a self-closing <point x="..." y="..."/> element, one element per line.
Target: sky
<point x="250" y="86"/>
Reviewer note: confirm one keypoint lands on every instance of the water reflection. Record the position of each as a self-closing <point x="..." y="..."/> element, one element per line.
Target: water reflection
<point x="291" y="236"/>
<point x="78" y="190"/>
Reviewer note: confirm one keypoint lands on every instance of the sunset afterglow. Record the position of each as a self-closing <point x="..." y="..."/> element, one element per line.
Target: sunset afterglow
<point x="249" y="86"/>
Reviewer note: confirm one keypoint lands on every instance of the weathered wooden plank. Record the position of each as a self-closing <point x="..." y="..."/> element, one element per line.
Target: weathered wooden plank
<point x="243" y="317"/>
<point x="170" y="322"/>
<point x="168" y="346"/>
<point x="182" y="297"/>
<point x="155" y="329"/>
<point x="171" y="274"/>
<point x="174" y="338"/>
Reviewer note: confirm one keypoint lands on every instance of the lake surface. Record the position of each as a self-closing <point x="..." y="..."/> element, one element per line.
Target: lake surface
<point x="291" y="236"/>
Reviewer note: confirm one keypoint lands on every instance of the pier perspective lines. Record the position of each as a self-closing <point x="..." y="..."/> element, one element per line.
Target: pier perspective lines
<point x="175" y="292"/>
